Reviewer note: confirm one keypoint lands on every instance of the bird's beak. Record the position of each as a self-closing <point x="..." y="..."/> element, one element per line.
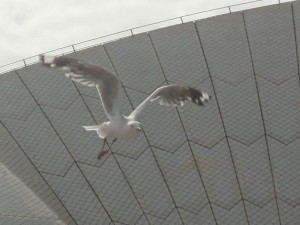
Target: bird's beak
<point x="139" y="129"/>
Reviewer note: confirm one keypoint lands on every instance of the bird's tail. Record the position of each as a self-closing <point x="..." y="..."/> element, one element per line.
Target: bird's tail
<point x="98" y="128"/>
<point x="94" y="127"/>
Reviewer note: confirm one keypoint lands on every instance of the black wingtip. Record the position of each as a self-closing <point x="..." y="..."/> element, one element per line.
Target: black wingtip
<point x="198" y="97"/>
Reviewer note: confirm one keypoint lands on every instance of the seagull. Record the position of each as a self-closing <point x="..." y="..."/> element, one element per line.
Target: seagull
<point x="108" y="86"/>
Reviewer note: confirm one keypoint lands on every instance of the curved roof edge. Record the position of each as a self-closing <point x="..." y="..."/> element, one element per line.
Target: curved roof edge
<point x="137" y="30"/>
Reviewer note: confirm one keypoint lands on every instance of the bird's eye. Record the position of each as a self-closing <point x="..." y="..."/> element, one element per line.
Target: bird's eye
<point x="132" y="126"/>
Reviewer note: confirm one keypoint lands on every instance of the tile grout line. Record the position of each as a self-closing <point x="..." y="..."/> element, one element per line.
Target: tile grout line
<point x="296" y="45"/>
<point x="223" y="124"/>
<point x="120" y="168"/>
<point x="64" y="144"/>
<point x="15" y="140"/>
<point x="150" y="147"/>
<point x="187" y="139"/>
<point x="262" y="117"/>
<point x="112" y="153"/>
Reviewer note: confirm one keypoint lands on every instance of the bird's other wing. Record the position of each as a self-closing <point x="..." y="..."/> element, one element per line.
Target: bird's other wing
<point x="107" y="84"/>
<point x="172" y="95"/>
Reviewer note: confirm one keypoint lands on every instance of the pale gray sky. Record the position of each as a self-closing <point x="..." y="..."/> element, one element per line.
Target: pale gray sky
<point x="29" y="28"/>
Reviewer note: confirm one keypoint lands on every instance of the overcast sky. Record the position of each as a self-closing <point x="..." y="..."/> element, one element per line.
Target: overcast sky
<point x="31" y="27"/>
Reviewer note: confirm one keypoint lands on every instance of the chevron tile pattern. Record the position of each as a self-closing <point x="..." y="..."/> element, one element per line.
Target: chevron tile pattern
<point x="234" y="161"/>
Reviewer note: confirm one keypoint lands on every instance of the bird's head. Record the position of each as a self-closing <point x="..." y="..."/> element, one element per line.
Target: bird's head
<point x="134" y="125"/>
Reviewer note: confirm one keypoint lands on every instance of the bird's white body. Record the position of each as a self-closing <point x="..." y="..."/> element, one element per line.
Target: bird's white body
<point x="121" y="129"/>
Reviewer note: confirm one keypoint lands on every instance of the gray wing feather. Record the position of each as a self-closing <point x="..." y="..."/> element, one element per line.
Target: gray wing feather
<point x="172" y="95"/>
<point x="107" y="84"/>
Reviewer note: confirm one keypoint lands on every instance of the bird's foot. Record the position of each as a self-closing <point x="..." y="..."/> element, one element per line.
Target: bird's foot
<point x="102" y="153"/>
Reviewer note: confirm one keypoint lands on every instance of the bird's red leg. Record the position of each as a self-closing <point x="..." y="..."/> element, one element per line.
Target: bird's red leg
<point x="104" y="152"/>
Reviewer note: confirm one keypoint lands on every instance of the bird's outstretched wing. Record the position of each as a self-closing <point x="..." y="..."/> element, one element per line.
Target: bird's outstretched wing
<point x="107" y="84"/>
<point x="172" y="95"/>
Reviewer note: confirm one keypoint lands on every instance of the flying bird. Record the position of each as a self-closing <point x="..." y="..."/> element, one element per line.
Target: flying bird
<point x="108" y="86"/>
